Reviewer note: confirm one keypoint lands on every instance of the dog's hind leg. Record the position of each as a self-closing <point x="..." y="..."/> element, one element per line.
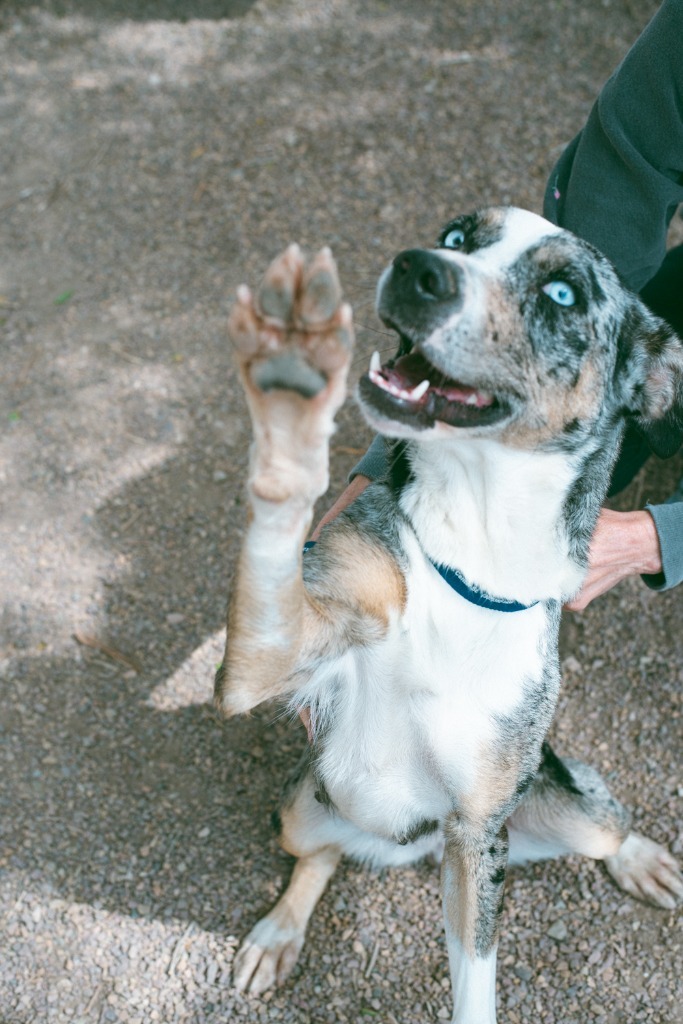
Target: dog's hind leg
<point x="568" y="809"/>
<point x="270" y="951"/>
<point x="473" y="876"/>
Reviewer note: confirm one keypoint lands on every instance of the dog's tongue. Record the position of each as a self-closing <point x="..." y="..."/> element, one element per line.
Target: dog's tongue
<point x="409" y="371"/>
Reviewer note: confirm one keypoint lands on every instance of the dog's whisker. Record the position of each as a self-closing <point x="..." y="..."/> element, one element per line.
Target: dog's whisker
<point x="382" y="331"/>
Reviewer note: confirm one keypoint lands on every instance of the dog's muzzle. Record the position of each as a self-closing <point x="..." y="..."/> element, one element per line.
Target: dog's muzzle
<point x="418" y="294"/>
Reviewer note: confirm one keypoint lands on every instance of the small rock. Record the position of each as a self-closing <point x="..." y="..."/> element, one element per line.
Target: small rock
<point x="558" y="931"/>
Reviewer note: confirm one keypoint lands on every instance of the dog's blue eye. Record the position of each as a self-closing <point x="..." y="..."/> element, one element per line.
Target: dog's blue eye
<point x="454" y="239"/>
<point x="560" y="292"/>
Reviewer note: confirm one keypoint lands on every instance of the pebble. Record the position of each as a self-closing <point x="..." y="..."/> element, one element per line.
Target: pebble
<point x="558" y="931"/>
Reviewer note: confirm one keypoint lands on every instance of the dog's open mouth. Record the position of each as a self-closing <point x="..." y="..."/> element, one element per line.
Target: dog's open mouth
<point x="412" y="390"/>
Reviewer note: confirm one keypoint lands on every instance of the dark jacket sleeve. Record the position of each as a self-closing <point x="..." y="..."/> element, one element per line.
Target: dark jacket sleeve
<point x="374" y="463"/>
<point x="669" y="523"/>
<point x="619" y="182"/>
<point x="618" y="185"/>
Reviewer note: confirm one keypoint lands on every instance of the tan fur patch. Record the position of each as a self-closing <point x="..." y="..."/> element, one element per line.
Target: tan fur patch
<point x="361" y="581"/>
<point x="498" y="772"/>
<point x="364" y="575"/>
<point x="460" y="901"/>
<point x="554" y="406"/>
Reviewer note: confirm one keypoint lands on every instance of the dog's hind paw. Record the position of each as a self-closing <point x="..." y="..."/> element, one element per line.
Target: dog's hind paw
<point x="646" y="870"/>
<point x="267" y="956"/>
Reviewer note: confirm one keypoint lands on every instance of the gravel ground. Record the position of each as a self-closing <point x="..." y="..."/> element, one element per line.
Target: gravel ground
<point x="153" y="155"/>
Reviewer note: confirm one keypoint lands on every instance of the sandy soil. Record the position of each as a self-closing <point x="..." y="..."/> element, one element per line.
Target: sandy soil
<point x="154" y="154"/>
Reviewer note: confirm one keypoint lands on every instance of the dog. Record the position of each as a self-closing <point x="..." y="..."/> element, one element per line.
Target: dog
<point x="421" y="631"/>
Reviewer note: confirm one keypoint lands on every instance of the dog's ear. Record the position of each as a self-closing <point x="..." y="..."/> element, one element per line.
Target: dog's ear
<point x="650" y="372"/>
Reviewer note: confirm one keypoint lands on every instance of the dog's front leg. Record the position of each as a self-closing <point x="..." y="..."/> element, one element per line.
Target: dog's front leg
<point x="473" y="876"/>
<point x="293" y="344"/>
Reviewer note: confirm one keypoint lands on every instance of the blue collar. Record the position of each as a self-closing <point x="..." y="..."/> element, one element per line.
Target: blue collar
<point x="472" y="594"/>
<point x="476" y="596"/>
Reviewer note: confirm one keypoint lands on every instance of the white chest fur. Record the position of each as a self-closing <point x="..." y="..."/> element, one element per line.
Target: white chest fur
<point x="416" y="713"/>
<point x="496" y="514"/>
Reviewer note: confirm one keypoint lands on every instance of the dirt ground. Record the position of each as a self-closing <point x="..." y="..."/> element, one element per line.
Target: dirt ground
<point x="155" y="154"/>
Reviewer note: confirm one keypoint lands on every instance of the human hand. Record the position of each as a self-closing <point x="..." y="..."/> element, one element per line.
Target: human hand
<point x="623" y="544"/>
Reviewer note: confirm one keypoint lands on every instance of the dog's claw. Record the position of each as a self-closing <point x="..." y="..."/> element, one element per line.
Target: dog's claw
<point x="646" y="870"/>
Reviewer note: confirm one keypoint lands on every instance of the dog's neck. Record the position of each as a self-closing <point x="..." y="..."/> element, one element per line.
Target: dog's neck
<point x="496" y="514"/>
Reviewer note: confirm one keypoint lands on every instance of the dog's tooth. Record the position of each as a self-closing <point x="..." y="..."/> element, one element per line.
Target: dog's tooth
<point x="375" y="363"/>
<point x="472" y="399"/>
<point x="382" y="382"/>
<point x="420" y="390"/>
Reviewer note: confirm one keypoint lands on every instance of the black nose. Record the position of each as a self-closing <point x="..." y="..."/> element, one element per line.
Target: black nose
<point x="427" y="275"/>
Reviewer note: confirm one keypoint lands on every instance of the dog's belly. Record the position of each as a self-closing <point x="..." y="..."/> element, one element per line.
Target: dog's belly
<point x="387" y="776"/>
<point x="416" y="727"/>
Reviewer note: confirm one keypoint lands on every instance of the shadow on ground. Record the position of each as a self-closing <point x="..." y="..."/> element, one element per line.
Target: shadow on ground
<point x="124" y="789"/>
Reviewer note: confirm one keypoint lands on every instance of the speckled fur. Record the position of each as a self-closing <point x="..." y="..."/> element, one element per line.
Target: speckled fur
<point x="430" y="713"/>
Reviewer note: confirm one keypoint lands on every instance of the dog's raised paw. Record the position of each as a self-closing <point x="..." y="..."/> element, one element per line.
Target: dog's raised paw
<point x="646" y="870"/>
<point x="294" y="334"/>
<point x="267" y="956"/>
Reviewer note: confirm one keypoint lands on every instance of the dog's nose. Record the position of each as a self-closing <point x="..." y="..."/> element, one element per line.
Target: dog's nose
<point x="427" y="275"/>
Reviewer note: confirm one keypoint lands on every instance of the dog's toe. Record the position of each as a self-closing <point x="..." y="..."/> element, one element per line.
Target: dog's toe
<point x="267" y="956"/>
<point x="276" y="294"/>
<point x="646" y="870"/>
<point x="321" y="292"/>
